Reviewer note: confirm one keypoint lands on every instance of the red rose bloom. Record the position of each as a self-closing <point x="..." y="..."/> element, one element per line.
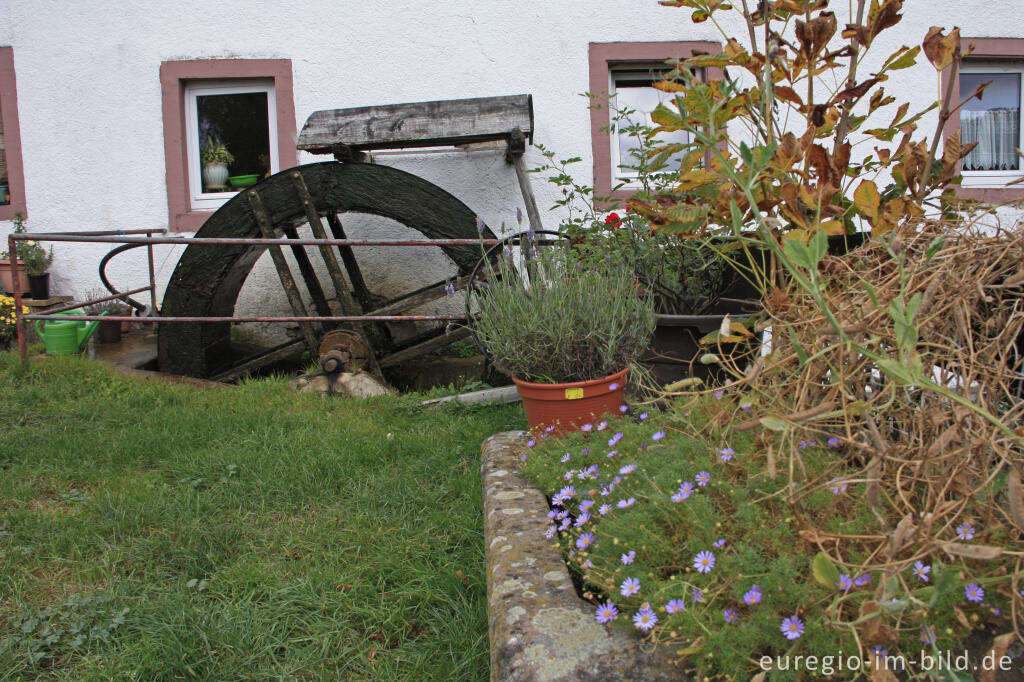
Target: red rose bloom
<point x="613" y="220"/>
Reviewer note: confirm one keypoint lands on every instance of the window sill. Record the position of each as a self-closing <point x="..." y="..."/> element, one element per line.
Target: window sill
<point x="991" y="195"/>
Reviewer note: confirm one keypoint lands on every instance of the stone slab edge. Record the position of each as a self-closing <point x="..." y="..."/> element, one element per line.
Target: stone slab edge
<point x="539" y="629"/>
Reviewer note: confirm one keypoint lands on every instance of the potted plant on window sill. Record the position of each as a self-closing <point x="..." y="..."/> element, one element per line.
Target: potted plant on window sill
<point x="215" y="159"/>
<point x="566" y="333"/>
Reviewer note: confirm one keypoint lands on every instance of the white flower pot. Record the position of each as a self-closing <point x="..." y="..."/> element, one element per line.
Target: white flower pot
<point x="215" y="175"/>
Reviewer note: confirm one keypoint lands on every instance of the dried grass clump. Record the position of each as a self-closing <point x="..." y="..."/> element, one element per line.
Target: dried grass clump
<point x="923" y="463"/>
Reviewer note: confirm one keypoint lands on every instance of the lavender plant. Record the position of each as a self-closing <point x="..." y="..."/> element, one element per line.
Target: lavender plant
<point x="566" y="321"/>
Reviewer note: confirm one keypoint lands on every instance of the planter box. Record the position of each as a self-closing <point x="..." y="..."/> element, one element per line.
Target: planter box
<point x="675" y="349"/>
<point x="539" y="629"/>
<point x="7" y="277"/>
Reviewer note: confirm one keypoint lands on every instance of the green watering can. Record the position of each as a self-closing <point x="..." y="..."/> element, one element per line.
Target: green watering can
<point x="66" y="337"/>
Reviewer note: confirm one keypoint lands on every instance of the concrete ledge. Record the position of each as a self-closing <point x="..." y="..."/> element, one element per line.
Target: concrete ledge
<point x="539" y="629"/>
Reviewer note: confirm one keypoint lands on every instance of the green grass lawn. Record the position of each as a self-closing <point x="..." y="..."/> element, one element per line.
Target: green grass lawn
<point x="151" y="531"/>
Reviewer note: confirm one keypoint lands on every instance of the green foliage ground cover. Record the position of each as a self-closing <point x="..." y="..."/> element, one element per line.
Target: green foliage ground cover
<point x="641" y="498"/>
<point x="150" y="531"/>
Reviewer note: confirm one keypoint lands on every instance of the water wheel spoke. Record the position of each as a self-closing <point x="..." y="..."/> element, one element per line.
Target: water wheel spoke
<point x="436" y="340"/>
<point x="257" y="361"/>
<point x="348" y="257"/>
<point x="308" y="273"/>
<point x="421" y="296"/>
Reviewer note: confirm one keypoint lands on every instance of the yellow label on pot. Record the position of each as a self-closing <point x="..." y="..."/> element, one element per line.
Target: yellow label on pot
<point x="573" y="393"/>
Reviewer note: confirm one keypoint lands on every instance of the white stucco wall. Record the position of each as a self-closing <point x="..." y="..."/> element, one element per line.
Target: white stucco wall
<point x="90" y="108"/>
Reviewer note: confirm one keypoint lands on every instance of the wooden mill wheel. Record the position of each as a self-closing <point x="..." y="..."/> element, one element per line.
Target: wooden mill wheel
<point x="207" y="279"/>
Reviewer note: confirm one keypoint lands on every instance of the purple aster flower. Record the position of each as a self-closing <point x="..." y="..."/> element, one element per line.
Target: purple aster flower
<point x="582" y="519"/>
<point x="922" y="571"/>
<point x="928" y="635"/>
<point x="613" y="386"/>
<point x="752" y="596"/>
<point x="643" y="416"/>
<point x="996" y="611"/>
<point x="627" y="469"/>
<point x="567" y="491"/>
<point x="628" y="557"/>
<point x="729" y="615"/>
<point x="530" y="443"/>
<point x="602" y="426"/>
<point x="746" y="408"/>
<point x="588" y="564"/>
<point x="833" y="442"/>
<point x="792" y="627"/>
<point x="698" y="595"/>
<point x="845" y="582"/>
<point x="614" y="439"/>
<point x="566" y="457"/>
<point x="568" y="475"/>
<point x="624" y="504"/>
<point x="584" y="541"/>
<point x="727" y="453"/>
<point x="802" y="445"/>
<point x="623" y="409"/>
<point x="965" y="531"/>
<point x="644" y="619"/>
<point x="684" y="490"/>
<point x="718" y="395"/>
<point x="862" y="580"/>
<point x="611" y="455"/>
<point x="544" y="435"/>
<point x="550" y="532"/>
<point x="606" y="613"/>
<point x="585" y="451"/>
<point x="658" y="435"/>
<point x="629" y="587"/>
<point x="523" y="458"/>
<point x="703" y="478"/>
<point x="586" y="504"/>
<point x="837" y="486"/>
<point x="879" y="652"/>
<point x="604" y="509"/>
<point x="719" y="543"/>
<point x="587" y="427"/>
<point x="974" y="592"/>
<point x="675" y="606"/>
<point x="704" y="561"/>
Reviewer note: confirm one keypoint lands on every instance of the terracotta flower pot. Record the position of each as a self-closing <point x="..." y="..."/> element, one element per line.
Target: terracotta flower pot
<point x="7" y="278"/>
<point x="569" y="406"/>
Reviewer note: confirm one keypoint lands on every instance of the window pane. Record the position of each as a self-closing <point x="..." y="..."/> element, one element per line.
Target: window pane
<point x="5" y="188"/>
<point x="639" y="96"/>
<point x="240" y="122"/>
<point x="993" y="121"/>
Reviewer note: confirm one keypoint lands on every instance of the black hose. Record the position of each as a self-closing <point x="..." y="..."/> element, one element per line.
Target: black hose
<point x="141" y="307"/>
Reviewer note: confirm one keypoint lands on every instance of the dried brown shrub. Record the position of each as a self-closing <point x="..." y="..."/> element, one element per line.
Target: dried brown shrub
<point x="926" y="463"/>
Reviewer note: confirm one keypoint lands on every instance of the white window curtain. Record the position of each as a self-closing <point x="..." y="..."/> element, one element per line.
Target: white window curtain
<point x="998" y="133"/>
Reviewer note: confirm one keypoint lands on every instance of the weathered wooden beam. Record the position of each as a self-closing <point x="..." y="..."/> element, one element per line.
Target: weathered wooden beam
<point x="422" y="296"/>
<point x="348" y="306"/>
<point x="275" y="354"/>
<point x="425" y="347"/>
<point x="418" y="124"/>
<point x="281" y="265"/>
